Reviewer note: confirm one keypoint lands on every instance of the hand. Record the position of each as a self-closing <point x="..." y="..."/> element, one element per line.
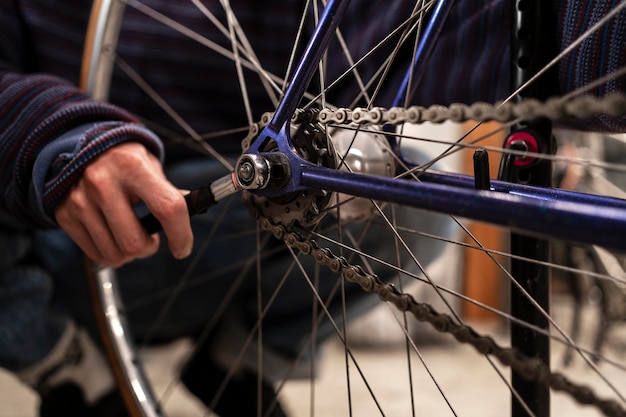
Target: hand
<point x="98" y="212"/>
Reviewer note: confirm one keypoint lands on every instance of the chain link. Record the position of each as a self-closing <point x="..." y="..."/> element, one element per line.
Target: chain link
<point x="532" y="369"/>
<point x="582" y="107"/>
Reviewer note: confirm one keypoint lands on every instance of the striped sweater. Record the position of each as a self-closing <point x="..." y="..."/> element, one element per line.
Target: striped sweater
<point x="49" y="130"/>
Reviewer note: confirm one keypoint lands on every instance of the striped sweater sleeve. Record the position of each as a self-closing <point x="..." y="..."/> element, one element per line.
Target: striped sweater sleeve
<point x="600" y="54"/>
<point x="49" y="132"/>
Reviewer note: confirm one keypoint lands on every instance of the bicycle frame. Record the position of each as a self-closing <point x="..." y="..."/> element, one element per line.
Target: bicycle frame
<point x="535" y="210"/>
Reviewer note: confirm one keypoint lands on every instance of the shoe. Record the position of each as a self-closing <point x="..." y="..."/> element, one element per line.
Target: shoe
<point x="203" y="378"/>
<point x="74" y="380"/>
<point x="67" y="400"/>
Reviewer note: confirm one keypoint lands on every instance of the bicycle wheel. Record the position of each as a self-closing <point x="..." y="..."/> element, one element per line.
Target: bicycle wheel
<point x="262" y="262"/>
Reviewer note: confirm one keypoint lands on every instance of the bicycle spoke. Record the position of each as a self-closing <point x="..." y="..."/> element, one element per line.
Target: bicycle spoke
<point x="404" y="264"/>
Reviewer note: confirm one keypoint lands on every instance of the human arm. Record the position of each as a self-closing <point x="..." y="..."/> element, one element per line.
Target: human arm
<point x="68" y="158"/>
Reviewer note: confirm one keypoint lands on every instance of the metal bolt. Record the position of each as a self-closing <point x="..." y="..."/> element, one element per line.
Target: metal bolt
<point x="246" y="172"/>
<point x="253" y="171"/>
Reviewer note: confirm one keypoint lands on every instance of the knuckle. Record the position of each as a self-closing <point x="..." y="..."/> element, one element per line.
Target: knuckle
<point x="95" y="181"/>
<point x="133" y="246"/>
<point x="172" y="206"/>
<point x="128" y="160"/>
<point x="137" y="160"/>
<point x="113" y="257"/>
<point x="74" y="200"/>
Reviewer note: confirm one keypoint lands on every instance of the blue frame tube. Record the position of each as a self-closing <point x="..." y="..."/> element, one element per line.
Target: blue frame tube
<point x="467" y="181"/>
<point x="332" y="15"/>
<point x="424" y="49"/>
<point x="414" y="73"/>
<point x="542" y="213"/>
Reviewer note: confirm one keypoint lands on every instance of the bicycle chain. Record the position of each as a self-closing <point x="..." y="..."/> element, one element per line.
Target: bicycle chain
<point x="532" y="369"/>
<point x="582" y="107"/>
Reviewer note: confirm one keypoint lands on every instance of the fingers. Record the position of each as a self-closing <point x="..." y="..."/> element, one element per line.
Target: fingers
<point x="170" y="209"/>
<point x="104" y="231"/>
<point x="98" y="213"/>
<point x="164" y="201"/>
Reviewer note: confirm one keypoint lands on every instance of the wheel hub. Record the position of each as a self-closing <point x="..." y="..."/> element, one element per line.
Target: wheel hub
<point x="356" y="150"/>
<point x="306" y="207"/>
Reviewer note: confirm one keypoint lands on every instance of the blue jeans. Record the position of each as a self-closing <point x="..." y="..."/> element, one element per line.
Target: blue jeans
<point x="219" y="260"/>
<point x="28" y="328"/>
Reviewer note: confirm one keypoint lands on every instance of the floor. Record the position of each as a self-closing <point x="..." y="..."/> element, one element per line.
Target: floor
<point x="471" y="388"/>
